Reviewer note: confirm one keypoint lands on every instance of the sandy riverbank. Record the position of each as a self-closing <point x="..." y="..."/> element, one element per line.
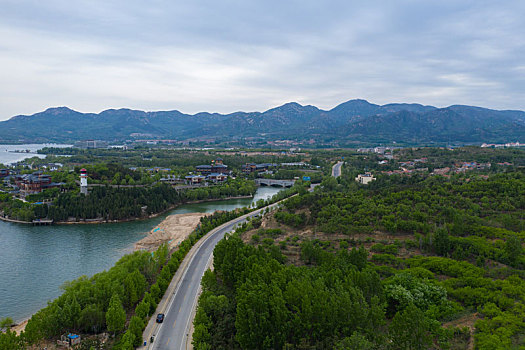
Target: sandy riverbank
<point x="19" y="327"/>
<point x="172" y="230"/>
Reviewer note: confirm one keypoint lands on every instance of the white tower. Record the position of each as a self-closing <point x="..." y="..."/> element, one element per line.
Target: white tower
<point x="83" y="181"/>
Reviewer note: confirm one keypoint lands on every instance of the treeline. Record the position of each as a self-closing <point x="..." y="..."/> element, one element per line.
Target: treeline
<point x="102" y="302"/>
<point x="253" y="300"/>
<point x="167" y="158"/>
<point x="118" y="301"/>
<point x="120" y="203"/>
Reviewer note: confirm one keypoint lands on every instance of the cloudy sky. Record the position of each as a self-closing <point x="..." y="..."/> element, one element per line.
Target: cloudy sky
<point x="225" y="56"/>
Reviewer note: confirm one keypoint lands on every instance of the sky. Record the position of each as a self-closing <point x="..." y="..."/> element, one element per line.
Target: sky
<point x="227" y="56"/>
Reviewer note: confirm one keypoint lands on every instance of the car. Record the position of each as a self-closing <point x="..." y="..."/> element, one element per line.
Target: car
<point x="160" y="318"/>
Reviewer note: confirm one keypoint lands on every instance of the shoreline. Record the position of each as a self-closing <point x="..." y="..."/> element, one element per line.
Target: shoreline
<point x="102" y="221"/>
<point x="14" y="221"/>
<point x="172" y="230"/>
<point x="21" y="323"/>
<point x="19" y="326"/>
<point x="177" y="234"/>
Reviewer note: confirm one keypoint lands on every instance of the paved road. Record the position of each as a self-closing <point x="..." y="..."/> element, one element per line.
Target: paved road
<point x="182" y="295"/>
<point x="179" y="301"/>
<point x="336" y="169"/>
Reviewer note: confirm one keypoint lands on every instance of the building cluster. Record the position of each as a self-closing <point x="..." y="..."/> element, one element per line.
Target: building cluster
<point x="377" y="150"/>
<point x="249" y="168"/>
<point x="462" y="168"/>
<point x="465" y="166"/>
<point x="34" y="183"/>
<point x="405" y="171"/>
<point x="413" y="163"/>
<point x="216" y="167"/>
<point x="156" y="170"/>
<point x="52" y="166"/>
<point x="501" y="145"/>
<point x="216" y="172"/>
<point x="91" y="144"/>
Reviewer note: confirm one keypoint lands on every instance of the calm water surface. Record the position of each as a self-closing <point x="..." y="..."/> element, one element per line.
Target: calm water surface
<point x="9" y="156"/>
<point x="36" y="261"/>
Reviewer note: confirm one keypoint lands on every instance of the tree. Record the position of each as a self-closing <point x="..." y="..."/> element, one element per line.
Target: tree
<point x="441" y="242"/>
<point x="513" y="249"/>
<point x="115" y="316"/>
<point x="6" y="322"/>
<point x="71" y="312"/>
<point x="92" y="319"/>
<point x="11" y="341"/>
<point x="356" y="342"/>
<point x="142" y="309"/>
<point x="136" y="325"/>
<point x="127" y="341"/>
<point x="155" y="293"/>
<point x="410" y="329"/>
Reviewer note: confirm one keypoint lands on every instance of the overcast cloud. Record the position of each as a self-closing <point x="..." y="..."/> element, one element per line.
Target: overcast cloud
<point x="224" y="56"/>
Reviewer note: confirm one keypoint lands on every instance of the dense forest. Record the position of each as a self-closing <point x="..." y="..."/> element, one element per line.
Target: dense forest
<point x="119" y="203"/>
<point x="407" y="262"/>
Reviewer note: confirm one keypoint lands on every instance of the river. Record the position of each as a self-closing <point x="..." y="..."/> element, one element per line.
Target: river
<point x="36" y="260"/>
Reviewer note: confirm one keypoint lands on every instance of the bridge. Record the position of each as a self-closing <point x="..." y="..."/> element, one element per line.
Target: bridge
<point x="272" y="182"/>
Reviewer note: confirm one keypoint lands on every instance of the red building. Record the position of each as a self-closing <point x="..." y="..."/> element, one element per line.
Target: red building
<point x="35" y="182"/>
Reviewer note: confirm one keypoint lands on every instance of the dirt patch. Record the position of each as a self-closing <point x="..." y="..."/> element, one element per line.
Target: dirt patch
<point x="172" y="230"/>
<point x="19" y="327"/>
<point x="465" y="321"/>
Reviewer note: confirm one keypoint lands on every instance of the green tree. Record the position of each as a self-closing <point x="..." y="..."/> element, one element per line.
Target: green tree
<point x="513" y="249"/>
<point x="92" y="319"/>
<point x="115" y="316"/>
<point x="136" y="325"/>
<point x="356" y="342"/>
<point x="10" y="341"/>
<point x="6" y="322"/>
<point x="127" y="341"/>
<point x="410" y="329"/>
<point x="442" y="242"/>
<point x="142" y="309"/>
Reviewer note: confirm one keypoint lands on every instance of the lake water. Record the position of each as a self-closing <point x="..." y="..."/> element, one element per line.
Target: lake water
<point x="36" y="260"/>
<point x="9" y="156"/>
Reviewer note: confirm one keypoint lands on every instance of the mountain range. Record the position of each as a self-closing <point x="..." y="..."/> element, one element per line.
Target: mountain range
<point x="352" y="122"/>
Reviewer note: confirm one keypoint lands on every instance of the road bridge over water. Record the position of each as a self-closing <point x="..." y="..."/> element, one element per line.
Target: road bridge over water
<point x="272" y="182"/>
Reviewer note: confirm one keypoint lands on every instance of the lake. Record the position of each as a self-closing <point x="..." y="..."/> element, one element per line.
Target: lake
<point x="36" y="260"/>
<point x="9" y="156"/>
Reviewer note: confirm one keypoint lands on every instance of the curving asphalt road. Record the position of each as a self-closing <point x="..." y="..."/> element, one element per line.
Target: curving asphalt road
<point x="180" y="299"/>
<point x="336" y="169"/>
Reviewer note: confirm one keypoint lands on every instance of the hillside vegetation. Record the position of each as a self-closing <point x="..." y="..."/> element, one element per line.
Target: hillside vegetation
<point x="350" y="122"/>
<point x="409" y="262"/>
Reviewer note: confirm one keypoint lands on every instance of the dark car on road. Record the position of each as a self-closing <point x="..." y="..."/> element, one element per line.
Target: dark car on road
<point x="160" y="318"/>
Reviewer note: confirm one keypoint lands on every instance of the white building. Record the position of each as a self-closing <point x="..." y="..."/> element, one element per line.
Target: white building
<point x="83" y="181"/>
<point x="365" y="178"/>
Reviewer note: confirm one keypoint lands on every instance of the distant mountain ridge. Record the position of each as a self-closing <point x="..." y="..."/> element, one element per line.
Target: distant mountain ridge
<point x="353" y="121"/>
